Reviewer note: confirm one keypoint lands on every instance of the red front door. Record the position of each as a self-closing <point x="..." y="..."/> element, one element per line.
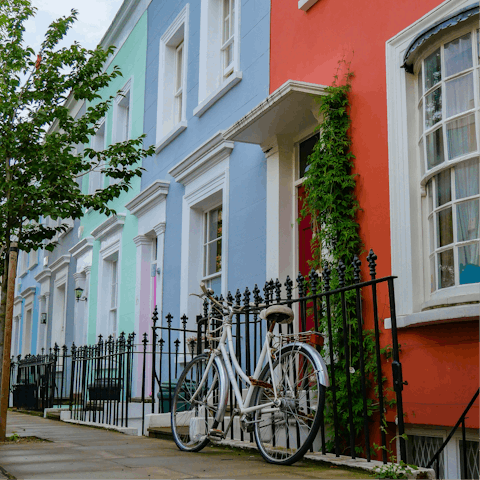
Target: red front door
<point x="304" y="250"/>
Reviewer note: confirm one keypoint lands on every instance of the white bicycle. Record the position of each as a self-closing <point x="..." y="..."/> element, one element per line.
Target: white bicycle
<point x="285" y="396"/>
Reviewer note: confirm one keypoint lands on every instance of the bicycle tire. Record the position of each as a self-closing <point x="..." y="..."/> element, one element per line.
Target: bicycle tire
<point x="191" y="421"/>
<point x="283" y="437"/>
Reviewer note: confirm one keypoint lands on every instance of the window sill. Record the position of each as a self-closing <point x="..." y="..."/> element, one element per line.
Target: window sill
<point x="170" y="136"/>
<point x="31" y="267"/>
<point x="211" y="99"/>
<point x="306" y="4"/>
<point x="437" y="315"/>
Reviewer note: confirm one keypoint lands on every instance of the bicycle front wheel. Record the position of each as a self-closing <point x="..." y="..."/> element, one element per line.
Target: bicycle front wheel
<point x="193" y="412"/>
<point x="285" y="433"/>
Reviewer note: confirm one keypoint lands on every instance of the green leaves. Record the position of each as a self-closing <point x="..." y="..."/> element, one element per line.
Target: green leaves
<point x="40" y="171"/>
<point x="331" y="204"/>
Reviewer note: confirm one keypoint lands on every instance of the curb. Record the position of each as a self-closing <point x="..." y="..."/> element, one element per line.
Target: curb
<point x="5" y="474"/>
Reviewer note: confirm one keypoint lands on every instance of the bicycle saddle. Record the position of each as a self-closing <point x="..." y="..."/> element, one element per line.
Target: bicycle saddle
<point x="278" y="313"/>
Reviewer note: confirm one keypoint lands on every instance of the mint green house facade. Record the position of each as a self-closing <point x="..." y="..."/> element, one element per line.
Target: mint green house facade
<point x="106" y="252"/>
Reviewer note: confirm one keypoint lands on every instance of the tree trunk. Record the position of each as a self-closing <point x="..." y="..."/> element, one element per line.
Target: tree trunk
<point x="3" y="306"/>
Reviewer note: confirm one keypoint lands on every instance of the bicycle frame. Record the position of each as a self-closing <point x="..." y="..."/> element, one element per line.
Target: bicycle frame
<point x="227" y="359"/>
<point x="229" y="363"/>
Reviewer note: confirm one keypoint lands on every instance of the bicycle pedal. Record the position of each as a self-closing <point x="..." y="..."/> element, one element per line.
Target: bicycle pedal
<point x="216" y="434"/>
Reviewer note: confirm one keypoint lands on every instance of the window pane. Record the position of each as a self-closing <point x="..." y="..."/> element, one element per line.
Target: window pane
<point x="472" y="459"/>
<point x="461" y="136"/>
<point x="216" y="285"/>
<point x="430" y="196"/>
<point x="444" y="227"/>
<point x="420" y="89"/>
<point x="444" y="190"/>
<point x="421" y="449"/>
<point x="422" y="157"/>
<point x="469" y="260"/>
<point x="432" y="69"/>
<point x="432" y="274"/>
<point x="179" y="68"/>
<point x="459" y="95"/>
<point x="467" y="179"/>
<point x="305" y="150"/>
<point x="433" y="108"/>
<point x="178" y="108"/>
<point x="431" y="233"/>
<point x="458" y="55"/>
<point x="228" y="55"/>
<point x="226" y="20"/>
<point x="215" y="224"/>
<point x="420" y="119"/>
<point x="214" y="262"/>
<point x="434" y="148"/>
<point x="446" y="271"/>
<point x="467" y="221"/>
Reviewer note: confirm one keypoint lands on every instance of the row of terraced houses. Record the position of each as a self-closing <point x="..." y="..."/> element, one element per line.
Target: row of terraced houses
<point x="226" y="90"/>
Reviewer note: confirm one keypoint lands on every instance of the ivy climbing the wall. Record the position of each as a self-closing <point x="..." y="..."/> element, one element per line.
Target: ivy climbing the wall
<point x="330" y="203"/>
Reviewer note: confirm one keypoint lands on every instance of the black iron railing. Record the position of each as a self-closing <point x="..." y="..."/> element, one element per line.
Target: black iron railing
<point x="461" y="421"/>
<point x="115" y="380"/>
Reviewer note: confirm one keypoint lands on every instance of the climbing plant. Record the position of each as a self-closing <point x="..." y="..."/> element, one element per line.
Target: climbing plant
<point x="331" y="204"/>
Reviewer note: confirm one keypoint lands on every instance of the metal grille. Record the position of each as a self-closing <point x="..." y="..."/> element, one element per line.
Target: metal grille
<point x="472" y="459"/>
<point x="421" y="449"/>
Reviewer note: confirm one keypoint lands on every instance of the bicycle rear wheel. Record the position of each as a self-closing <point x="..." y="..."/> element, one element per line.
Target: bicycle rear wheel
<point x="193" y="418"/>
<point x="284" y="434"/>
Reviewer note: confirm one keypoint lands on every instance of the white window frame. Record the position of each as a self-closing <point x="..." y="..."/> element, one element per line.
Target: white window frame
<point x="205" y="175"/>
<point x="207" y="278"/>
<point x="169" y="126"/>
<point x="407" y="203"/>
<point x="452" y="449"/>
<point x="214" y="79"/>
<point x="96" y="178"/>
<point x="122" y="123"/>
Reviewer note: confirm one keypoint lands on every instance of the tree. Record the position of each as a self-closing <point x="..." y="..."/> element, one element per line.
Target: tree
<point x="40" y="170"/>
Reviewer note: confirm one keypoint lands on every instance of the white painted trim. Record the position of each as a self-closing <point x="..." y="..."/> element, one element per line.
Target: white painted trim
<point x="306" y="4"/>
<point x="437" y="315"/>
<point x="211" y="72"/>
<point x="61" y="262"/>
<point x="195" y="202"/>
<point x="170" y="136"/>
<point x="127" y="88"/>
<point x="43" y="275"/>
<point x="259" y="114"/>
<point x="82" y="247"/>
<point x="211" y="152"/>
<point x="28" y="295"/>
<point x="148" y="198"/>
<point x="170" y="35"/>
<point x="227" y="85"/>
<point x="122" y="25"/>
<point x="109" y="226"/>
<point x="408" y="262"/>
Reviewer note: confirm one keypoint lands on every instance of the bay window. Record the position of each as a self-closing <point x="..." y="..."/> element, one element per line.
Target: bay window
<point x="448" y="120"/>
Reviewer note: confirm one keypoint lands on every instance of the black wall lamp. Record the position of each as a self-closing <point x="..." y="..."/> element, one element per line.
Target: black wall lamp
<point x="43" y="318"/>
<point x="78" y="294"/>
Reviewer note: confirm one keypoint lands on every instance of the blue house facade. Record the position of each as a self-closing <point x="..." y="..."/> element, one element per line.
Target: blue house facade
<point x="202" y="209"/>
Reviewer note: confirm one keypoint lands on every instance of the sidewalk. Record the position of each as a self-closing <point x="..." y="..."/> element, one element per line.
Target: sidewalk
<point x="75" y="451"/>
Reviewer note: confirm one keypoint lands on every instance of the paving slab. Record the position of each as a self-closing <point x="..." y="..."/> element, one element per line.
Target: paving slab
<point x="74" y="451"/>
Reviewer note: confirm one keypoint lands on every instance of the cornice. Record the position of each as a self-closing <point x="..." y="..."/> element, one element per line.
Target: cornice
<point x="45" y="274"/>
<point x="28" y="291"/>
<point x="213" y="151"/>
<point x="148" y="198"/>
<point x="130" y="11"/>
<point x="60" y="263"/>
<point x="140" y="240"/>
<point x="83" y="246"/>
<point x="109" y="226"/>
